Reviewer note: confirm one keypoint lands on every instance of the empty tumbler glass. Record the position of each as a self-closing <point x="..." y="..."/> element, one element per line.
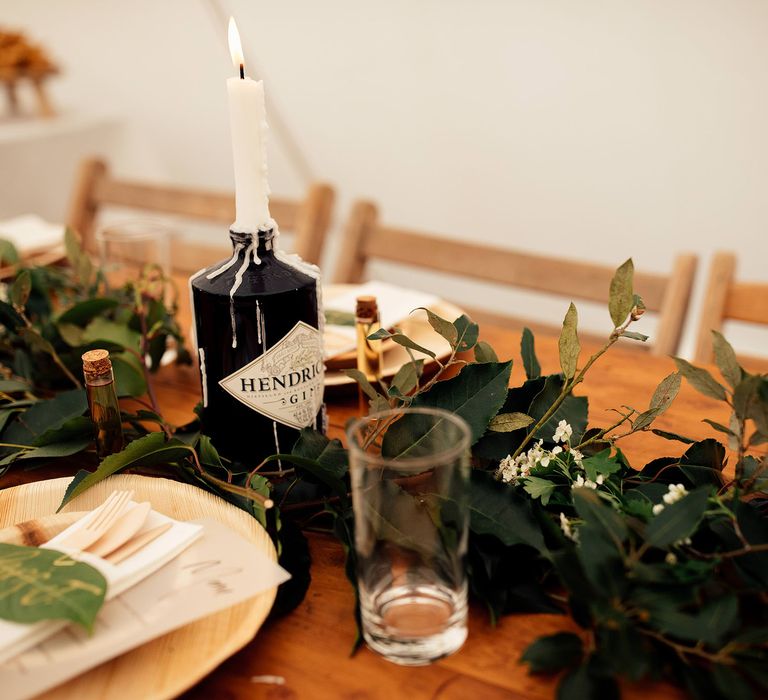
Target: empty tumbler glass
<point x="410" y="478"/>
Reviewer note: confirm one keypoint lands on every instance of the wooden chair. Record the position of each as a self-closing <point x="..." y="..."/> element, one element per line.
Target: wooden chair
<point x="725" y="298"/>
<point x="96" y="187"/>
<point x="365" y="238"/>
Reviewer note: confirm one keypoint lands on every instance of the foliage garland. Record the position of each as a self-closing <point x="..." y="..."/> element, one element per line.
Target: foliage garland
<point x="665" y="569"/>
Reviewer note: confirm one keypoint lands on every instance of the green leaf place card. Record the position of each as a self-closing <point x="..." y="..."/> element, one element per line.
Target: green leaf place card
<point x="43" y="584"/>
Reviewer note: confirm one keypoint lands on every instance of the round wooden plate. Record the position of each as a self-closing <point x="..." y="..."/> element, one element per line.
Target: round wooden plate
<point x="168" y="665"/>
<point x="415" y="326"/>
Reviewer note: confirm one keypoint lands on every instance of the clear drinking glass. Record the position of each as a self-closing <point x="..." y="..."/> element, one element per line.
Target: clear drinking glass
<point x="127" y="248"/>
<point x="410" y="478"/>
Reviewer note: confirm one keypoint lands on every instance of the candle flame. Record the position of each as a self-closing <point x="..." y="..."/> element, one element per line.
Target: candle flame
<point x="235" y="47"/>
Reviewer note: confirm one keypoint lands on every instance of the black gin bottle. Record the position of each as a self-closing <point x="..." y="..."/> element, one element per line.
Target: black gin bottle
<point x="258" y="321"/>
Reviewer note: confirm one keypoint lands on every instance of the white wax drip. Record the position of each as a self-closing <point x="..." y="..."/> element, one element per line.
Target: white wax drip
<point x="259" y="319"/>
<point x="204" y="376"/>
<point x="226" y="265"/>
<point x="193" y="329"/>
<point x="236" y="285"/>
<point x="277" y="447"/>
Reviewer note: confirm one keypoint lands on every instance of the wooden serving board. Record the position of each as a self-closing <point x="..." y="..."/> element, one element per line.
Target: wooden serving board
<point x="168" y="665"/>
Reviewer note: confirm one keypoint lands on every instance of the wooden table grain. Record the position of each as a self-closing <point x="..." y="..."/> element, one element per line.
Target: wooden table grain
<point x="306" y="654"/>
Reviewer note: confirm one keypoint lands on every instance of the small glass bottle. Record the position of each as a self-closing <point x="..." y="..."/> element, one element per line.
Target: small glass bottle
<point x="102" y="401"/>
<point x="369" y="357"/>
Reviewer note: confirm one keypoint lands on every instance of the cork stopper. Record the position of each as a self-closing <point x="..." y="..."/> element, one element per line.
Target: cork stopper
<point x="96" y="363"/>
<point x="366" y="307"/>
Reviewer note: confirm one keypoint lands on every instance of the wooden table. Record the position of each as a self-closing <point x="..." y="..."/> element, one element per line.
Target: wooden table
<point x="310" y="648"/>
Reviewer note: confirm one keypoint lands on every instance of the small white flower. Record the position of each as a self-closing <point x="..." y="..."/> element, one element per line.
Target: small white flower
<point x="568" y="531"/>
<point x="671" y="558"/>
<point x="544" y="461"/>
<point x="674" y="493"/>
<point x="563" y="432"/>
<point x="581" y="482"/>
<point x="684" y="541"/>
<point x="600" y="479"/>
<point x="556" y="450"/>
<point x="577" y="456"/>
<point x="658" y="508"/>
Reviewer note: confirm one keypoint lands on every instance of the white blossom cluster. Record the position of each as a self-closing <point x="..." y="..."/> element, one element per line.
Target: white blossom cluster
<point x="511" y="469"/>
<point x="673" y="495"/>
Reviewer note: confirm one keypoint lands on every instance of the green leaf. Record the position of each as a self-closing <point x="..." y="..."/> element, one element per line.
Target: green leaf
<point x="601" y="516"/>
<point x="672" y="436"/>
<point x="634" y="335"/>
<point x="710" y="624"/>
<point x="554" y="652"/>
<point x="407" y="377"/>
<point x="539" y="488"/>
<point x="583" y="684"/>
<point x="36" y="342"/>
<point x="569" y="343"/>
<point x="43" y="584"/>
<point x="20" y="289"/>
<point x="475" y="394"/>
<point x="507" y="422"/>
<point x="85" y="311"/>
<point x="662" y="399"/>
<point x="145" y="451"/>
<point x="53" y="450"/>
<point x="362" y="380"/>
<point x="101" y="329"/>
<point x="129" y="379"/>
<point x="726" y="361"/>
<point x="601" y="463"/>
<point x="528" y="353"/>
<point x="47" y="415"/>
<point x="71" y="334"/>
<point x="573" y="410"/>
<point x="466" y="333"/>
<point x="328" y="453"/>
<point x="12" y="386"/>
<point x="718" y="426"/>
<point x="701" y="379"/>
<point x="621" y="299"/>
<point x="678" y="520"/>
<point x="401" y="339"/>
<point x="494" y="509"/>
<point x="485" y="353"/>
<point x="441" y="326"/>
<point x="8" y="253"/>
<point x="77" y="428"/>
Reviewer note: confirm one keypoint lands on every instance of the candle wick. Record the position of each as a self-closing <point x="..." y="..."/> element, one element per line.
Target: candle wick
<point x="242" y="71"/>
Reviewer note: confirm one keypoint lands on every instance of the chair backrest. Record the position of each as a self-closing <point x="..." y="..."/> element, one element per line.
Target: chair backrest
<point x="96" y="187"/>
<point x="366" y="238"/>
<point x="725" y="298"/>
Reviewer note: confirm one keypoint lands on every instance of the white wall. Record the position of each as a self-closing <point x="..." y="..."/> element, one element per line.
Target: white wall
<point x="585" y="128"/>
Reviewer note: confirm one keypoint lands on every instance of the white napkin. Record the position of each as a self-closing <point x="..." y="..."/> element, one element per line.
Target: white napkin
<point x="395" y="304"/>
<point x="31" y="233"/>
<point x="16" y="637"/>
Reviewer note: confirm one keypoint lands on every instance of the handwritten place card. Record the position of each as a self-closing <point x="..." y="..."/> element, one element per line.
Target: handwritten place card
<point x="219" y="570"/>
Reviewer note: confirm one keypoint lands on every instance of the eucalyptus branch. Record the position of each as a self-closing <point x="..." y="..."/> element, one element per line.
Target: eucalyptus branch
<point x="569" y="385"/>
<point x="602" y="433"/>
<point x="684" y="650"/>
<point x="246" y="492"/>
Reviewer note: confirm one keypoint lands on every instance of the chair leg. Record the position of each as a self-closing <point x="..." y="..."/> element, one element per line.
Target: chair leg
<point x="352" y="257"/>
<point x="721" y="273"/>
<point x="83" y="205"/>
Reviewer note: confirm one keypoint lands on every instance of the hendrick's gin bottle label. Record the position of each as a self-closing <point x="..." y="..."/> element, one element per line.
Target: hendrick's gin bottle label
<point x="286" y="382"/>
<point x="258" y="328"/>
